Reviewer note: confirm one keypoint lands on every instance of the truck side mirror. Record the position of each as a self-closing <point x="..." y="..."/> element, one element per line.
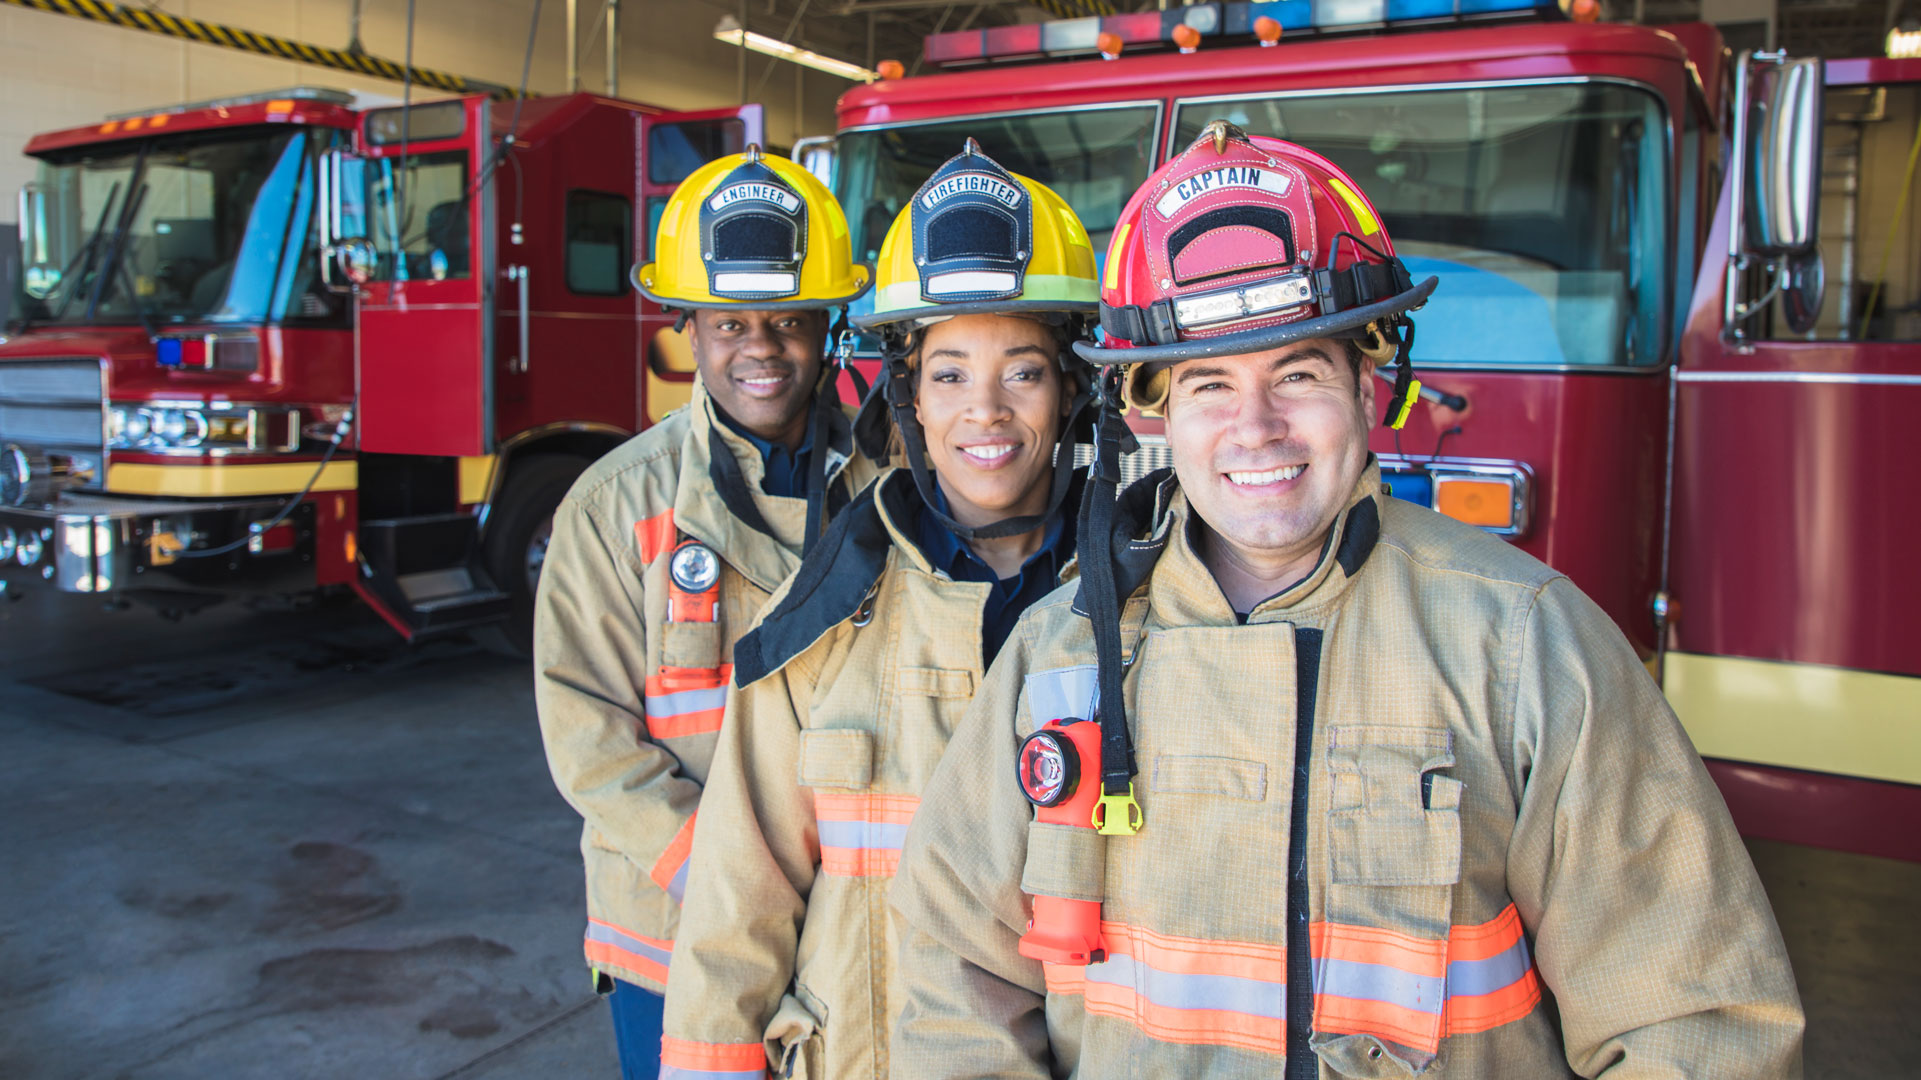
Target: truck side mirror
<point x="1775" y="190"/>
<point x="38" y="274"/>
<point x="818" y="154"/>
<point x="343" y="220"/>
<point x="354" y="259"/>
<point x="1783" y="156"/>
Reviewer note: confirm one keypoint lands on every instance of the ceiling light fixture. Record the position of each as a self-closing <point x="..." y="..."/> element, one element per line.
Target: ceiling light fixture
<point x="730" y="31"/>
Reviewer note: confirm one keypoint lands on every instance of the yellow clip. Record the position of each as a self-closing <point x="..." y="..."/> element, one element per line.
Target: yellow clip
<point x="1128" y="820"/>
<point x="1407" y="406"/>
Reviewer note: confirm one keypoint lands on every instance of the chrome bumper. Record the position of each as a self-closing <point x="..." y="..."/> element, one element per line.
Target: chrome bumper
<point x="101" y="544"/>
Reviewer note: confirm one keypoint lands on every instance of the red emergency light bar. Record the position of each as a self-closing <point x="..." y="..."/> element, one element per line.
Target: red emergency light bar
<point x="1217" y="21"/>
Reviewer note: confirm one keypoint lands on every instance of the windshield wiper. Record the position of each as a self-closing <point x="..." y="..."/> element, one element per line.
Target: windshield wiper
<point x="87" y="251"/>
<point x="116" y="249"/>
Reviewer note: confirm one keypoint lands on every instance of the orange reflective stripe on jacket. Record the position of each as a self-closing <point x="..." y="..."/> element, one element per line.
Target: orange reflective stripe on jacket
<point x="681" y="1059"/>
<point x="687" y="701"/>
<point x="1413" y="991"/>
<point x="861" y="832"/>
<point x="655" y="535"/>
<point x="670" y="870"/>
<point x="610" y="946"/>
<point x="1185" y="990"/>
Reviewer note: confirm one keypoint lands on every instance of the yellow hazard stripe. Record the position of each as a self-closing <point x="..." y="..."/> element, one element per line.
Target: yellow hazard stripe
<point x="1799" y="716"/>
<point x="154" y="21"/>
<point x="212" y="481"/>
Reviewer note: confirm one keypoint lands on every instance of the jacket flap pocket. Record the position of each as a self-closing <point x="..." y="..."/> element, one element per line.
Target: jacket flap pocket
<point x="1066" y="861"/>
<point x="836" y="757"/>
<point x="951" y="683"/>
<point x="1229" y="777"/>
<point x="1394" y="819"/>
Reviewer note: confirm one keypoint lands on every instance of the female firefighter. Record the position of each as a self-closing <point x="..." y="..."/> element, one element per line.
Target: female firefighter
<point x="864" y="662"/>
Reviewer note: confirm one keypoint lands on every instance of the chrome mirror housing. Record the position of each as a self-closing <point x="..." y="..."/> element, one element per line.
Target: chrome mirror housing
<point x="356" y="259"/>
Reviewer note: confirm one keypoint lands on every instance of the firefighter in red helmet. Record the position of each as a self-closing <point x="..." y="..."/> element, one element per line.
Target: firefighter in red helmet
<point x="1299" y="780"/>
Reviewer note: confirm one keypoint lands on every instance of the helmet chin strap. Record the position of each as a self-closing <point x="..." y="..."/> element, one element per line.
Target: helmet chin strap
<point x="899" y="388"/>
<point x="1407" y="388"/>
<point x="840" y="339"/>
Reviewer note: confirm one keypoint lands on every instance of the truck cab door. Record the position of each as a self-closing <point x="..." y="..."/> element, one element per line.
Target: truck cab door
<point x="674" y="144"/>
<point x="424" y="321"/>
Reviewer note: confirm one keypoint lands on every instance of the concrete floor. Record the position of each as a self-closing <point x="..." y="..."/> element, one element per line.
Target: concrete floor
<point x="278" y="844"/>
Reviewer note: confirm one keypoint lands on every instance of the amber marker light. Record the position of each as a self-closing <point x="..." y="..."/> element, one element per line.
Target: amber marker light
<point x="1585" y="11"/>
<point x="1110" y="45"/>
<point x="891" y="69"/>
<point x="1487" y="503"/>
<point x="1187" y="38"/>
<point x="1268" y="30"/>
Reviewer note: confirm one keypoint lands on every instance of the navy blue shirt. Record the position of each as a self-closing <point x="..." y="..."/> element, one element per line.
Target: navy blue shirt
<point x="786" y="470"/>
<point x="1009" y="596"/>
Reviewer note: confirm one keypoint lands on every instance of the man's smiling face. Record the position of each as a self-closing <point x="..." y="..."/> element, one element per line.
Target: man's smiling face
<point x="760" y="366"/>
<point x="1269" y="445"/>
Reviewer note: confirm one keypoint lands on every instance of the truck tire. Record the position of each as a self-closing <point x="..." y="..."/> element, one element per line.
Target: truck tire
<point x="522" y="522"/>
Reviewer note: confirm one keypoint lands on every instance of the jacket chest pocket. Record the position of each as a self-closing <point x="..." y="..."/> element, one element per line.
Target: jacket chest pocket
<point x="1393" y="817"/>
<point x="928" y="703"/>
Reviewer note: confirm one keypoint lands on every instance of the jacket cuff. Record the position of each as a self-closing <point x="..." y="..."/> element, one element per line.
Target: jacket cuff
<point x="684" y="1060"/>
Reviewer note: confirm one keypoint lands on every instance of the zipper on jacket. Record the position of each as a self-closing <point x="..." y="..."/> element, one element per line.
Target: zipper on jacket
<point x="1301" y="1062"/>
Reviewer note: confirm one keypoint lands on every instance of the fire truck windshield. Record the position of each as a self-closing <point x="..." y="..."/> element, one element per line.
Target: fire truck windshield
<point x="1542" y="208"/>
<point x="1094" y="158"/>
<point x="202" y="227"/>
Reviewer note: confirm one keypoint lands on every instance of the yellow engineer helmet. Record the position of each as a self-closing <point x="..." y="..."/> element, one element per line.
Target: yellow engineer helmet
<point x="752" y="230"/>
<point x="978" y="239"/>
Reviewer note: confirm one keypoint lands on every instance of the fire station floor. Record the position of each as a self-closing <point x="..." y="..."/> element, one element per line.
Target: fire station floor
<point x="280" y="844"/>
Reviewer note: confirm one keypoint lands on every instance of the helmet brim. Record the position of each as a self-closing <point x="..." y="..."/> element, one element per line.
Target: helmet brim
<point x="1267" y="337"/>
<point x="880" y="320"/>
<point x="863" y="279"/>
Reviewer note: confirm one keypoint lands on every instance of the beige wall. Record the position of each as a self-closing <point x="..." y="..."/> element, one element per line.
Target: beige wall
<point x="57" y="71"/>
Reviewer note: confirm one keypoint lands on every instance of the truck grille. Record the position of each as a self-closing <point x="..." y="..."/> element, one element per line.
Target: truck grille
<point x="56" y="406"/>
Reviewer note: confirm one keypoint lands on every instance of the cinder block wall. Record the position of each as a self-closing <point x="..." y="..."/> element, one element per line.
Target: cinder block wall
<point x="57" y="71"/>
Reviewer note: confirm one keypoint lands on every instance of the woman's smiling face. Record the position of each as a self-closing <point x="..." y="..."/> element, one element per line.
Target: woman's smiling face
<point x="991" y="398"/>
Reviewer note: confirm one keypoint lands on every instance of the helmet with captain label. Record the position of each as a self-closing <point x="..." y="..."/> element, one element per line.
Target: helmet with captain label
<point x="1244" y="243"/>
<point x="752" y="230"/>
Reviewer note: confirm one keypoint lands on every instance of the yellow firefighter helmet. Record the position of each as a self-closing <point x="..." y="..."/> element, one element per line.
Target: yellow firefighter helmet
<point x="979" y="239"/>
<point x="752" y="230"/>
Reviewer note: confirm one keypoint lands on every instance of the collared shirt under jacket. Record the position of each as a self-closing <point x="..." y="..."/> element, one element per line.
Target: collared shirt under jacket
<point x="1424" y="814"/>
<point x="628" y="745"/>
<point x="851" y="685"/>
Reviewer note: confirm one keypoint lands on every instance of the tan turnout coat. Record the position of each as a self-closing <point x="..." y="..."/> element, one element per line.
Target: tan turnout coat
<point x="628" y="750"/>
<point x="856" y="676"/>
<point x="1516" y="865"/>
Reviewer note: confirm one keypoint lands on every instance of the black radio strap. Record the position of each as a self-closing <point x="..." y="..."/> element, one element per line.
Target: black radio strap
<point x="1111" y="438"/>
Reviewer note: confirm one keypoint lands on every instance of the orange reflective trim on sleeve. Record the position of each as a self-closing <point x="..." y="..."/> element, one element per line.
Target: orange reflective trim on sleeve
<point x="1491" y="938"/>
<point x="683" y="1058"/>
<point x="1484" y="1012"/>
<point x="670" y="870"/>
<point x="655" y="535"/>
<point x="612" y="946"/>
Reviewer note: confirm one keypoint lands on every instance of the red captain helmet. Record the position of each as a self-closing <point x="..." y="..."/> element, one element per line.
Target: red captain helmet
<point x="1243" y="243"/>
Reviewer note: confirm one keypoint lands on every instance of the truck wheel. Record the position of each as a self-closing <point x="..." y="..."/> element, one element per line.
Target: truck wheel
<point x="516" y="545"/>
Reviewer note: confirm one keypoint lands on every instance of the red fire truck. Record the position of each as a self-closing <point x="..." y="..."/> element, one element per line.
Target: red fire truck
<point x="275" y="343"/>
<point x="1672" y="416"/>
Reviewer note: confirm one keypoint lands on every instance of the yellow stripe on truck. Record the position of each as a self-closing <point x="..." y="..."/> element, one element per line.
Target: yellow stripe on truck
<point x="1799" y="716"/>
<point x="214" y="481"/>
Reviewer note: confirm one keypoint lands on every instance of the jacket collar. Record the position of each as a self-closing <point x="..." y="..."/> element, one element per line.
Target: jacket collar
<point x="764" y="557"/>
<point x="1156" y="561"/>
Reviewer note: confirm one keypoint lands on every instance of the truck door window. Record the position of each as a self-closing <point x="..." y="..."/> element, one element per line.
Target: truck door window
<point x="417" y="216"/>
<point x="674" y="151"/>
<point x="1865" y="144"/>
<point x="600" y="228"/>
<point x="1543" y="209"/>
<point x="1093" y="158"/>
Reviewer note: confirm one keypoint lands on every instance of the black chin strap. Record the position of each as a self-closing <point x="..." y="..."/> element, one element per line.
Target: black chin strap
<point x="826" y="406"/>
<point x="1406" y="386"/>
<point x="899" y="388"/>
<point x="1117" y="812"/>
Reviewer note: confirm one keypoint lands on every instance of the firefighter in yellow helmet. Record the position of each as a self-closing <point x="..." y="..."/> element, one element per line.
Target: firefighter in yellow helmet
<point x="863" y="664"/>
<point x="665" y="549"/>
